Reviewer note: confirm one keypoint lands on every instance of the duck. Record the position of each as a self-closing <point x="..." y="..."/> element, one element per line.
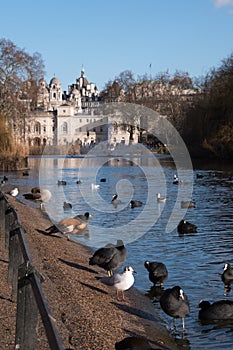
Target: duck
<point x="227" y="275"/>
<point x="26" y="173"/>
<point x="67" y="205"/>
<point x="176" y="180"/>
<point x="157" y="272"/>
<point x="38" y="195"/>
<point x="134" y="204"/>
<point x="133" y="343"/>
<point x="161" y="199"/>
<point x="78" y="182"/>
<point x="95" y="187"/>
<point x="109" y="257"/>
<point x="61" y="182"/>
<point x="186" y="227"/>
<point x="68" y="225"/>
<point x="174" y="302"/>
<point x="115" y="199"/>
<point x="120" y="281"/>
<point x="187" y="204"/>
<point x="14" y="192"/>
<point x="35" y="189"/>
<point x="4" y="180"/>
<point x="217" y="311"/>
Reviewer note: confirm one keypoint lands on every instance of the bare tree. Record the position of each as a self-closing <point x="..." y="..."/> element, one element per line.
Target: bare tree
<point x="19" y="75"/>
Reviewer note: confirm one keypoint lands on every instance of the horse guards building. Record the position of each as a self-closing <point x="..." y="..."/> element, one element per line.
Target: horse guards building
<point x="71" y="118"/>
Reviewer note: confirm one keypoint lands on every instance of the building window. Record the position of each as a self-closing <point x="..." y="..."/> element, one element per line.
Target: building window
<point x="64" y="111"/>
<point x="37" y="128"/>
<point x="64" y="128"/>
<point x="54" y="95"/>
<point x="87" y="120"/>
<point x="80" y="129"/>
<point x="80" y="120"/>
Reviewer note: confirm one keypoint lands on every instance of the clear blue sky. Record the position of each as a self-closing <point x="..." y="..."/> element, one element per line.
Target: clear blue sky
<point x="110" y="36"/>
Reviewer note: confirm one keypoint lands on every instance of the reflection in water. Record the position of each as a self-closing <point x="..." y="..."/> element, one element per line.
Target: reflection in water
<point x="195" y="262"/>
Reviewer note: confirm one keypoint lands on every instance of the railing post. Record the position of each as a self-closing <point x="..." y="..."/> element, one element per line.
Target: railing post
<point x="2" y="214"/>
<point x="10" y="223"/>
<point x="15" y="259"/>
<point x="27" y="311"/>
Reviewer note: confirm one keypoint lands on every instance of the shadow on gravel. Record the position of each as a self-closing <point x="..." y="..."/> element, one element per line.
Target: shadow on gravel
<point x="45" y="233"/>
<point x="77" y="266"/>
<point x="93" y="288"/>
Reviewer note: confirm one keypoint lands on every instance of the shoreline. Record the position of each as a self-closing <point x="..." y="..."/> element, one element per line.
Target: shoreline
<point x="86" y="312"/>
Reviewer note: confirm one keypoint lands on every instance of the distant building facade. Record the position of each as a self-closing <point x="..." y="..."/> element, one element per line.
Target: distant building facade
<point x="66" y="117"/>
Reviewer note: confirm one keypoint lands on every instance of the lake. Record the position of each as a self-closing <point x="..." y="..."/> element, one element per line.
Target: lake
<point x="194" y="262"/>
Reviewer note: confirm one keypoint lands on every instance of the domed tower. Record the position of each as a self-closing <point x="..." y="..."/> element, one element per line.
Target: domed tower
<point x="55" y="92"/>
<point x="43" y="95"/>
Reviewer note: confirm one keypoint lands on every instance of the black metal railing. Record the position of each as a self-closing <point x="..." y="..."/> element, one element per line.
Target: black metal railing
<point x="26" y="285"/>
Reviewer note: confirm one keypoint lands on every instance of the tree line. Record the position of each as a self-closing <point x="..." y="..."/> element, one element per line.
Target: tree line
<point x="201" y="108"/>
<point x="203" y="116"/>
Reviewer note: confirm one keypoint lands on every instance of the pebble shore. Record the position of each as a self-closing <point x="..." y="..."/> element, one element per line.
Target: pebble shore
<point x="86" y="313"/>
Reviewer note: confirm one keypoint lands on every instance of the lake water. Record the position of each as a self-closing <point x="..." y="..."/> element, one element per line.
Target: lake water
<point x="194" y="262"/>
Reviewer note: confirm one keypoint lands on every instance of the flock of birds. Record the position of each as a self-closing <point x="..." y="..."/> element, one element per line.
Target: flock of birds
<point x="173" y="301"/>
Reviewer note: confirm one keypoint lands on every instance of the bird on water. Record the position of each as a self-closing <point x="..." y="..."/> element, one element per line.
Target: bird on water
<point x="174" y="302"/>
<point x="157" y="272"/>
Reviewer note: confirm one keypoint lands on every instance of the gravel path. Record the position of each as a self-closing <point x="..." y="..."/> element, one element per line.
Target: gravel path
<point x="86" y="312"/>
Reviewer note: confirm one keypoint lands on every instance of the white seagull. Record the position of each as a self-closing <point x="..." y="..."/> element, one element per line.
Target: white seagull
<point x="14" y="192"/>
<point x="120" y="281"/>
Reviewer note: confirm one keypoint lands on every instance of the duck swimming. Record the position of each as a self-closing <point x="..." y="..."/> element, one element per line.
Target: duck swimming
<point x="186" y="227"/>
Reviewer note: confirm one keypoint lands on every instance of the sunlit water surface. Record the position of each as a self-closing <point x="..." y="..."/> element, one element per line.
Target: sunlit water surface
<point x="195" y="262"/>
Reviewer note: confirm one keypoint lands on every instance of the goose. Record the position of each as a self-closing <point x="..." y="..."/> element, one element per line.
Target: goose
<point x="217" y="311"/>
<point x="160" y="199"/>
<point x="227" y="275"/>
<point x="83" y="217"/>
<point x="109" y="257"/>
<point x="120" y="281"/>
<point x="115" y="199"/>
<point x="174" y="302"/>
<point x="43" y="196"/>
<point x="186" y="227"/>
<point x="187" y="204"/>
<point x="157" y="272"/>
<point x="134" y="204"/>
<point x="133" y="343"/>
<point x="68" y="225"/>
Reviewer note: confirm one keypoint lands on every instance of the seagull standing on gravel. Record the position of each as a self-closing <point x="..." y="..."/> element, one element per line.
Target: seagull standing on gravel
<point x="14" y="192"/>
<point x="120" y="281"/>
